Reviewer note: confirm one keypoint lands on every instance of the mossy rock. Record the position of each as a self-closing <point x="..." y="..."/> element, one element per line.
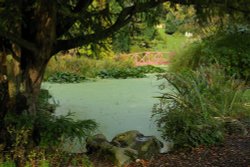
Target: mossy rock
<point x="98" y="144"/>
<point x="233" y="126"/>
<point x="147" y="146"/>
<point x="125" y="147"/>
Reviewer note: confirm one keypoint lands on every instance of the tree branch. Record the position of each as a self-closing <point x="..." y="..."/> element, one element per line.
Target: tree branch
<point x="124" y="17"/>
<point x="19" y="41"/>
<point x="80" y="7"/>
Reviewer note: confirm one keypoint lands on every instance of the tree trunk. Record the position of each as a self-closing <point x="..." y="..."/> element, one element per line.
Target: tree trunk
<point x="32" y="79"/>
<point x="4" y="96"/>
<point x="19" y="92"/>
<point x="34" y="64"/>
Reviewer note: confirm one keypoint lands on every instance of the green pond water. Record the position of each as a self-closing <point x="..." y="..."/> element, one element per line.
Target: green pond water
<point x="117" y="105"/>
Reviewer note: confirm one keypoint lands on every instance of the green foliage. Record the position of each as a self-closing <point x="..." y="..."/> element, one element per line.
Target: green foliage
<point x="43" y="104"/>
<point x="231" y="50"/>
<point x="189" y="58"/>
<point x="135" y="72"/>
<point x="46" y="129"/>
<point x="145" y="38"/>
<point x="228" y="49"/>
<point x="96" y="50"/>
<point x="65" y="77"/>
<point x="171" y="24"/>
<point x="170" y="43"/>
<point x="55" y="130"/>
<point x="121" y="73"/>
<point x="149" y="33"/>
<point x="38" y="157"/>
<point x="190" y="129"/>
<point x="38" y="139"/>
<point x="186" y="114"/>
<point x="150" y="69"/>
<point x="7" y="164"/>
<point x="89" y="68"/>
<point x="121" y="40"/>
<point x="71" y="69"/>
<point x="181" y="19"/>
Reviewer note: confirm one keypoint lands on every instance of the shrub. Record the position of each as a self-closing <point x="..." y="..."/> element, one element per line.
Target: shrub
<point x="38" y="157"/>
<point x="189" y="58"/>
<point x="186" y="114"/>
<point x="229" y="49"/>
<point x="53" y="130"/>
<point x="34" y="138"/>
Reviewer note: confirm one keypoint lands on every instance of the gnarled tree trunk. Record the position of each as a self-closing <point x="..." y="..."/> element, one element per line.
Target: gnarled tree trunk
<point x="33" y="63"/>
<point x="20" y="82"/>
<point x="32" y="78"/>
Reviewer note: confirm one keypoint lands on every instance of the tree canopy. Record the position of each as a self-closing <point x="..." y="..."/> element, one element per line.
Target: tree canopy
<point x="93" y="19"/>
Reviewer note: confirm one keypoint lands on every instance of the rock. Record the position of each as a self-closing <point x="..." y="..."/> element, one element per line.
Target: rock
<point x="233" y="126"/>
<point x="94" y="143"/>
<point x="146" y="146"/>
<point x="121" y="156"/>
<point x="125" y="147"/>
<point x="126" y="139"/>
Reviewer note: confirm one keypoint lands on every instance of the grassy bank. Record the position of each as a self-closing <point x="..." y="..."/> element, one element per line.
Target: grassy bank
<point x="68" y="69"/>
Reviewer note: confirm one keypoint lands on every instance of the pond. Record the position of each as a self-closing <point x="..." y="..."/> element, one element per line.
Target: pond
<point x="117" y="105"/>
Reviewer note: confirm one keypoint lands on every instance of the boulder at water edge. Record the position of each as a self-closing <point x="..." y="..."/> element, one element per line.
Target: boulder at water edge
<point x="125" y="147"/>
<point x="146" y="146"/>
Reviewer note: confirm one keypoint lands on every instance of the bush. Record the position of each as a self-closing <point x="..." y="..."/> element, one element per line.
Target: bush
<point x="229" y="49"/>
<point x="189" y="58"/>
<point x="186" y="114"/>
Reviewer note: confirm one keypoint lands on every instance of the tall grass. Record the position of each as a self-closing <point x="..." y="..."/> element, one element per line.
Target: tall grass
<point x="187" y="58"/>
<point x="187" y="114"/>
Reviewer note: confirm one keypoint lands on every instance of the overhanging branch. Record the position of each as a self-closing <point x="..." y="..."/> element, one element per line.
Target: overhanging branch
<point x="19" y="41"/>
<point x="124" y="17"/>
<point x="80" y="7"/>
